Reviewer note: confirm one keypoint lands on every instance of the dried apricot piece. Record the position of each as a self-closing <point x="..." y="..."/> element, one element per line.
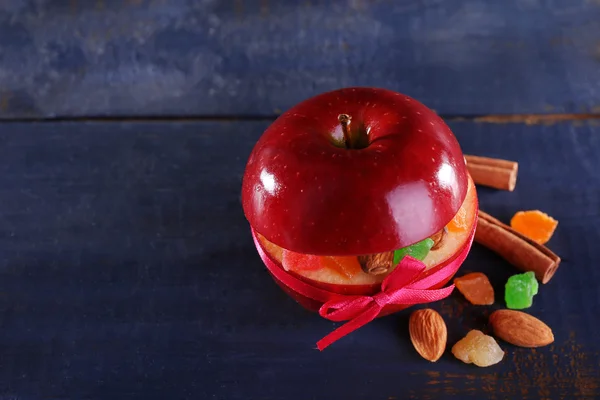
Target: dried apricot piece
<point x="534" y="224"/>
<point x="476" y="288"/>
<point x="479" y="349"/>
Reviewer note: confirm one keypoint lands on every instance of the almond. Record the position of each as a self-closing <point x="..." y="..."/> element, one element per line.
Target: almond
<point x="376" y="264"/>
<point x="428" y="333"/>
<point x="520" y="329"/>
<point x="438" y="238"/>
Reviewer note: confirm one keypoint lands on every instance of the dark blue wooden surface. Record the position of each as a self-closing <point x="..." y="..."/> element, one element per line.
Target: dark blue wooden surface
<point x="127" y="271"/>
<point x="256" y="58"/>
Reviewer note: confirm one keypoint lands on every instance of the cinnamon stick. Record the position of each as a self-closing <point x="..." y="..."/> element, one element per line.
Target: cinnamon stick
<point x="493" y="172"/>
<point x="517" y="249"/>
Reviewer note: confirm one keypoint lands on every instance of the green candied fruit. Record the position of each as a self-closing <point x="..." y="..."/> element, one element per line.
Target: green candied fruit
<point x="520" y="289"/>
<point x="418" y="250"/>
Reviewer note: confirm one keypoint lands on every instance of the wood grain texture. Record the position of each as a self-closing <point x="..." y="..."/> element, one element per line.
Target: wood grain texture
<point x="257" y="58"/>
<point x="127" y="270"/>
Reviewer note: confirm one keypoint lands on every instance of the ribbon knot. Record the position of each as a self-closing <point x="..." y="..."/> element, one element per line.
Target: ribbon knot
<point x="381" y="298"/>
<point x="406" y="285"/>
<point x="402" y="287"/>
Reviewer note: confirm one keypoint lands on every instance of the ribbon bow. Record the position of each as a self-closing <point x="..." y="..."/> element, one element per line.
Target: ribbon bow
<point x="402" y="286"/>
<point x="405" y="285"/>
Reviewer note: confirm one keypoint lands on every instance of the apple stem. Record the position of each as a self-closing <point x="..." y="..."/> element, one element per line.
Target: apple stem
<point x="345" y="122"/>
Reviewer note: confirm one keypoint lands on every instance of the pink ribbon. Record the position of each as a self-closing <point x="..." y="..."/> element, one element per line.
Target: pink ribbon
<point x="404" y="286"/>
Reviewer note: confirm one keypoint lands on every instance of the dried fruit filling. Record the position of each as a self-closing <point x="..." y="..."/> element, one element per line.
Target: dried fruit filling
<point x="370" y="269"/>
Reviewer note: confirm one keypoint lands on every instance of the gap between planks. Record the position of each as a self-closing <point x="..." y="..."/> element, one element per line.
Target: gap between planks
<point x="528" y="119"/>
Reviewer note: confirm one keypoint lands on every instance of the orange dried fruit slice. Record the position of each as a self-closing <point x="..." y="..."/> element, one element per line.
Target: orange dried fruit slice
<point x="344" y="266"/>
<point x="459" y="222"/>
<point x="534" y="224"/>
<point x="476" y="288"/>
<point x="347" y="267"/>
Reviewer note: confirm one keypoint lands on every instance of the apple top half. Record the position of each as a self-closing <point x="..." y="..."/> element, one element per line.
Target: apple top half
<point x="399" y="179"/>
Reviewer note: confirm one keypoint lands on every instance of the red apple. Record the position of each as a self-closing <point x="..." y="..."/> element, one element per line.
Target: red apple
<point x="354" y="172"/>
<point x="402" y="179"/>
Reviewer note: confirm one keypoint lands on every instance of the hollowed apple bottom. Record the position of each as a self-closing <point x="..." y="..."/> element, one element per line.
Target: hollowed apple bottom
<point x="344" y="275"/>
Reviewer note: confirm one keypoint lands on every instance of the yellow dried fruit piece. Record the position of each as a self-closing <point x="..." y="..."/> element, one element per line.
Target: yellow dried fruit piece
<point x="479" y="349"/>
<point x="476" y="288"/>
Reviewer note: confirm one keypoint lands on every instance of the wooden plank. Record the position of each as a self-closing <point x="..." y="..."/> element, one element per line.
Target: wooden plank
<point x="127" y="271"/>
<point x="257" y="58"/>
